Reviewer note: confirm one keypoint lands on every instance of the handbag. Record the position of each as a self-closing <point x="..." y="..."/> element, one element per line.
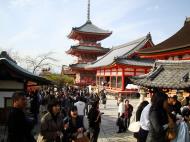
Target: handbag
<point x="134" y="127"/>
<point x="82" y="138"/>
<point x="170" y="134"/>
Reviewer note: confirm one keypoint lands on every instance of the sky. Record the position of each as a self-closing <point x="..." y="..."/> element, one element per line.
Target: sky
<point x="33" y="27"/>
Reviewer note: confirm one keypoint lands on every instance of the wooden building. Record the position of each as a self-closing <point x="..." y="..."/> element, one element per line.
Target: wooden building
<point x="177" y="47"/>
<point x="87" y="50"/>
<point x="121" y="62"/>
<point x="14" y="78"/>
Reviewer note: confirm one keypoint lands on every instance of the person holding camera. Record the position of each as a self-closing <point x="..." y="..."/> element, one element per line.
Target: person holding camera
<point x="73" y="126"/>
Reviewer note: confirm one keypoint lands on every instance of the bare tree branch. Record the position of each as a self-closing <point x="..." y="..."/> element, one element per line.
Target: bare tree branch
<point x="40" y="61"/>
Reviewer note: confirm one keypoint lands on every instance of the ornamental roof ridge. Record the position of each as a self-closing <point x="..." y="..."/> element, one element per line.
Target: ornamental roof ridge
<point x="129" y="43"/>
<point x="172" y="61"/>
<point x="187" y="20"/>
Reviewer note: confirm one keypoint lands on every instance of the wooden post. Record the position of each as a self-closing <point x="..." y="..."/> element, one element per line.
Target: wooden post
<point x="116" y="76"/>
<point x="123" y="79"/>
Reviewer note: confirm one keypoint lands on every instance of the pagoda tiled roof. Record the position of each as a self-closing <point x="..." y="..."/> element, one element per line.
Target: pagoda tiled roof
<point x="78" y="65"/>
<point x="166" y="74"/>
<point x="180" y="40"/>
<point x="90" y="48"/>
<point x="122" y="51"/>
<point x="88" y="27"/>
<point x="22" y="73"/>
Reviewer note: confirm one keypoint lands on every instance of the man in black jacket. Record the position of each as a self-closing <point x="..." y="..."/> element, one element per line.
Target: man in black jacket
<point x="94" y="118"/>
<point x="19" y="127"/>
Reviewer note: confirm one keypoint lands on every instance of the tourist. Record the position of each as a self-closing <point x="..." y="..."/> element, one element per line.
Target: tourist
<point x="73" y="126"/>
<point x="144" y="122"/>
<point x="67" y="102"/>
<point x="51" y="124"/>
<point x="159" y="120"/>
<point x="121" y="117"/>
<point x="128" y="113"/>
<point x="186" y="116"/>
<point x="119" y="98"/>
<point x="138" y="114"/>
<point x="140" y="109"/>
<point x="43" y="108"/>
<point x="94" y="118"/>
<point x="103" y="98"/>
<point x="121" y="124"/>
<point x="35" y="105"/>
<point x="19" y="126"/>
<point x="174" y="105"/>
<point x="121" y="108"/>
<point x="80" y="107"/>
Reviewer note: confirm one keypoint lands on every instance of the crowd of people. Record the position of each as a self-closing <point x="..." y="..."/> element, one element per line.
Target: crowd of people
<point x="60" y="116"/>
<point x="164" y="119"/>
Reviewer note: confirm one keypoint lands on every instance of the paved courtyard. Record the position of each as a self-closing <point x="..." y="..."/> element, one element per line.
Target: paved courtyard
<point x="108" y="126"/>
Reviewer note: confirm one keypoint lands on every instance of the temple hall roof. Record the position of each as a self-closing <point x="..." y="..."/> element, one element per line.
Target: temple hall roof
<point x="135" y="62"/>
<point x="166" y="74"/>
<point x="179" y="41"/>
<point x="122" y="51"/>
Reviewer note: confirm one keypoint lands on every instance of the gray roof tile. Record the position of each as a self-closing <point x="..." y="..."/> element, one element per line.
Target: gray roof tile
<point x="93" y="48"/>
<point x="166" y="74"/>
<point x="136" y="62"/>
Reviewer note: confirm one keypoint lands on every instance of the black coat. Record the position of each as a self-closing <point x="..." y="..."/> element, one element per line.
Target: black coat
<point x="19" y="127"/>
<point x="158" y="119"/>
<point x="71" y="132"/>
<point x="92" y="117"/>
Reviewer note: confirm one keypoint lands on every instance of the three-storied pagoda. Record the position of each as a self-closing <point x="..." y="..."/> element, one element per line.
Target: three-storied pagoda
<point x="87" y="50"/>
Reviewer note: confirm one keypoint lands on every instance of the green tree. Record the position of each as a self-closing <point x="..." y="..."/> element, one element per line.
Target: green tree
<point x="59" y="80"/>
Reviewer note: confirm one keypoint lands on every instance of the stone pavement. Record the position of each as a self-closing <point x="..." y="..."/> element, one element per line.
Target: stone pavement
<point x="108" y="126"/>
